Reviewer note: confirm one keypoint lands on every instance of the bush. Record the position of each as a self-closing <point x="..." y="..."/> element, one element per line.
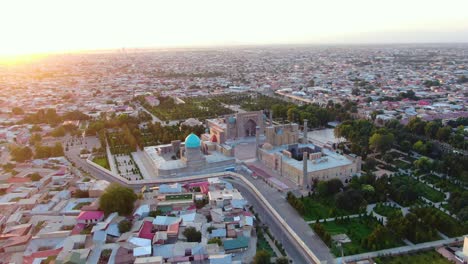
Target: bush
<point x="192" y="234"/>
<point x="125" y="226"/>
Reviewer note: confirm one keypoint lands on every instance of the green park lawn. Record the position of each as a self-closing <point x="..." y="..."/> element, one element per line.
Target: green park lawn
<point x="357" y="230"/>
<point x="402" y="164"/>
<point x="321" y="209"/>
<point x="418" y="258"/>
<point x="420" y="188"/>
<point x="102" y="161"/>
<point x="431" y="194"/>
<point x="444" y="184"/>
<point x="386" y="210"/>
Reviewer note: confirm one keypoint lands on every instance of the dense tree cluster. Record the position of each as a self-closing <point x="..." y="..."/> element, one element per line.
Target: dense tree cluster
<point x="117" y="198"/>
<point x="20" y="154"/>
<point x="192" y="234"/>
<point x="201" y="108"/>
<point x="42" y="152"/>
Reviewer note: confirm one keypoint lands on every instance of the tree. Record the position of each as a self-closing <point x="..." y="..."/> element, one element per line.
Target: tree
<point x="35" y="138"/>
<point x="215" y="240"/>
<point x="117" y="198"/>
<point x="262" y="257"/>
<point x="124" y="226"/>
<point x="35" y="176"/>
<point x="282" y="260"/>
<point x="381" y="142"/>
<point x="17" y="111"/>
<point x="192" y="234"/>
<point x="331" y="187"/>
<point x="423" y="164"/>
<point x="35" y="128"/>
<point x="443" y="133"/>
<point x="58" y="132"/>
<point x="431" y="129"/>
<point x="21" y="154"/>
<point x="350" y="200"/>
<point x="155" y="213"/>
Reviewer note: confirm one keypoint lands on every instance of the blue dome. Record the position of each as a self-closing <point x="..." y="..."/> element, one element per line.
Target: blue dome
<point x="192" y="141"/>
<point x="280" y="132"/>
<point x="232" y="120"/>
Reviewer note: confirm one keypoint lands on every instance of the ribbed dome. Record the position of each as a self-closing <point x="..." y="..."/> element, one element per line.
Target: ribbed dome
<point x="232" y="120"/>
<point x="192" y="141"/>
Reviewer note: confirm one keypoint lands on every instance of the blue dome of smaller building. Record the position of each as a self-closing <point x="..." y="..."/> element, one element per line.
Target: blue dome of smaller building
<point x="280" y="132"/>
<point x="264" y="117"/>
<point x="192" y="141"/>
<point x="232" y="120"/>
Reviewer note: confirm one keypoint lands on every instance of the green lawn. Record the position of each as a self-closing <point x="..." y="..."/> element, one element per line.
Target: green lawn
<point x="386" y="210"/>
<point x="262" y="244"/>
<point x="444" y="184"/>
<point x="418" y="187"/>
<point x="179" y="197"/>
<point x="357" y="230"/>
<point x="431" y="257"/>
<point x="402" y="164"/>
<point x="102" y="161"/>
<point x="321" y="208"/>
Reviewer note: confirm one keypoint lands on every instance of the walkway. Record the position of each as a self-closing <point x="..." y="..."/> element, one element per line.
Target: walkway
<point x="400" y="250"/>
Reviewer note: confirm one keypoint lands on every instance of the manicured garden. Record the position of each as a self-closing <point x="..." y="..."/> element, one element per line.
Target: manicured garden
<point x="386" y="210"/>
<point x="441" y="183"/>
<point x="321" y="208"/>
<point x="102" y="161"/>
<point x="361" y="233"/>
<point x="407" y="190"/>
<point x="200" y="108"/>
<point x="431" y="257"/>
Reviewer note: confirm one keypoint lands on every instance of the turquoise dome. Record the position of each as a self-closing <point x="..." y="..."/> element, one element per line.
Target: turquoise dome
<point x="232" y="120"/>
<point x="192" y="141"/>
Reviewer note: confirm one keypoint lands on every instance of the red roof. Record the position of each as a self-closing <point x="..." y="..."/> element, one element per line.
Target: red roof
<point x="145" y="230"/>
<point x="18" y="180"/>
<point x="41" y="254"/>
<point x="173" y="229"/>
<point x="90" y="215"/>
<point x="15" y="241"/>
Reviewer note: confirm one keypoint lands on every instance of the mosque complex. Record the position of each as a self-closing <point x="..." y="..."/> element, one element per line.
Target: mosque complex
<point x="279" y="147"/>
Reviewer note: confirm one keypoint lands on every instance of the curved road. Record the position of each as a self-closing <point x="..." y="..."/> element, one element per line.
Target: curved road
<point x="290" y="244"/>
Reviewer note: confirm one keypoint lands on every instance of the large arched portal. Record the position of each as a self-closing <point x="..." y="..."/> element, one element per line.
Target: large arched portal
<point x="250" y="126"/>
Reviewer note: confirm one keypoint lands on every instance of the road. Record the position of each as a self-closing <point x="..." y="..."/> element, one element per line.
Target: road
<point x="289" y="244"/>
<point x="294" y="220"/>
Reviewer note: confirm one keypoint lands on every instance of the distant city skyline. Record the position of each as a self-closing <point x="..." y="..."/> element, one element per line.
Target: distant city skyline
<point x="67" y="26"/>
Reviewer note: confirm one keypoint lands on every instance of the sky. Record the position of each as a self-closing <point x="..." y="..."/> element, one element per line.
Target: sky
<point x="41" y="26"/>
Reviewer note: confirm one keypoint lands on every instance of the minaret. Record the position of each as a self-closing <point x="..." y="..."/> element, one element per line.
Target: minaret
<point x="305" y="141"/>
<point x="271" y="117"/>
<point x="257" y="141"/>
<point x="305" y="157"/>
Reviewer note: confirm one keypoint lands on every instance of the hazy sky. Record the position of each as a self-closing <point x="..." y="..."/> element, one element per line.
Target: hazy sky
<point x="63" y="25"/>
